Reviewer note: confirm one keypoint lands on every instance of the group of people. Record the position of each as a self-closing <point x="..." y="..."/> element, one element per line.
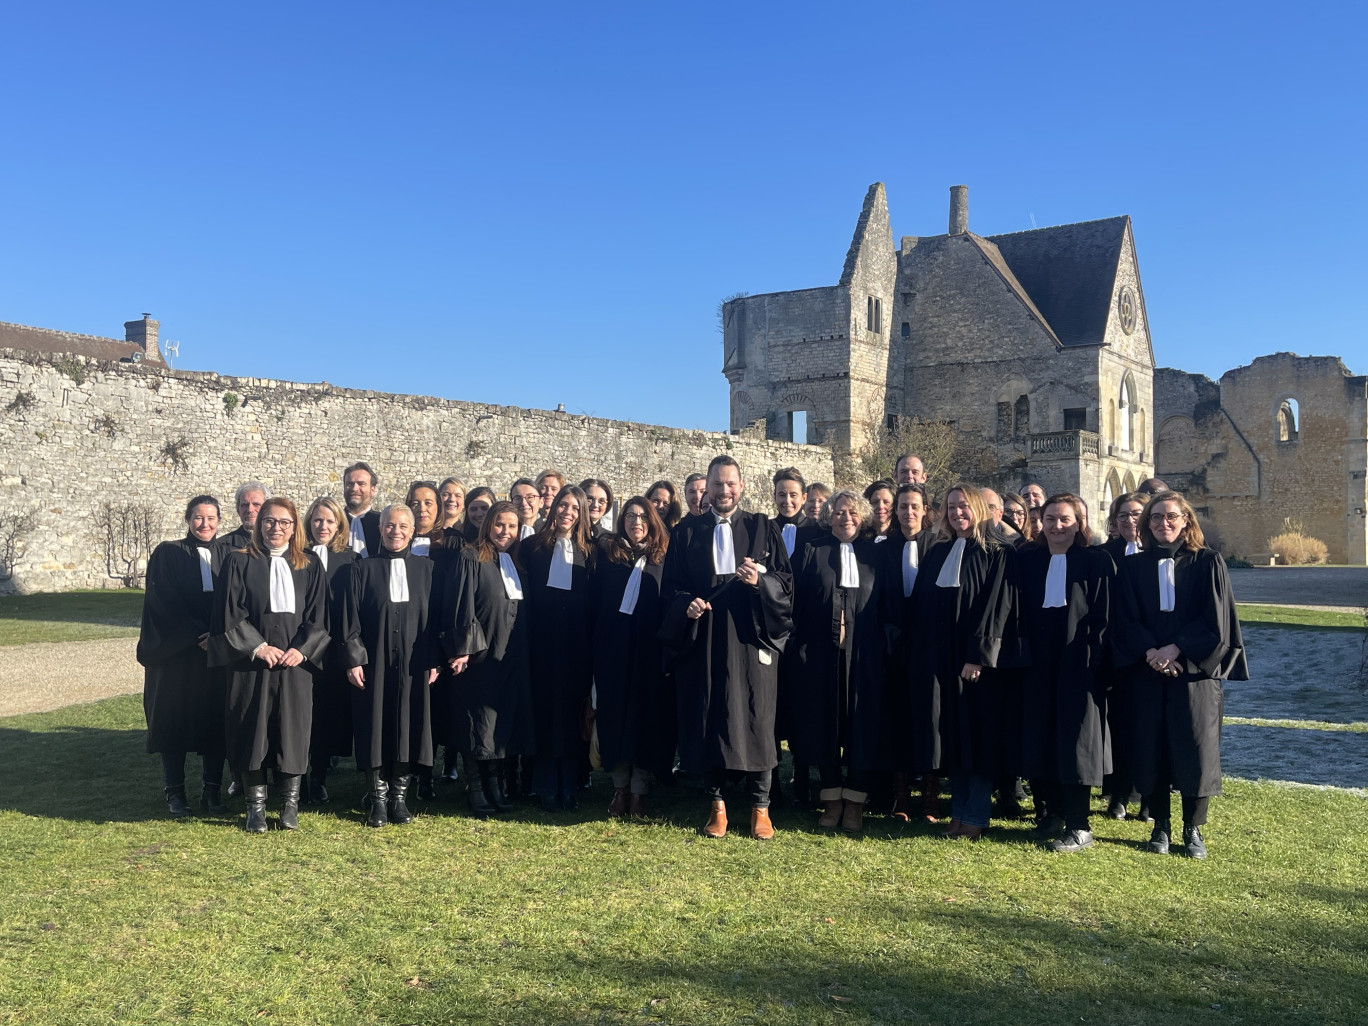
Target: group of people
<point x="890" y="637"/>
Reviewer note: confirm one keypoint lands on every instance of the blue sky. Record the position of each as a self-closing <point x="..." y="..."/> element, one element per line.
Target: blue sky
<point x="544" y="203"/>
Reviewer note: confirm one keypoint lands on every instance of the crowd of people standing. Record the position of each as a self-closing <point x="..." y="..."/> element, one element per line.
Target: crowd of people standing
<point x="891" y="638"/>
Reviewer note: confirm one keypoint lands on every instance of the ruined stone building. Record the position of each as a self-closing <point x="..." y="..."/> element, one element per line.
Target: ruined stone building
<point x="1285" y="437"/>
<point x="1035" y="343"/>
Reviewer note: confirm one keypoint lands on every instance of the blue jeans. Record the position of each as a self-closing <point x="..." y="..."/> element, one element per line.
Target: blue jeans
<point x="971" y="798"/>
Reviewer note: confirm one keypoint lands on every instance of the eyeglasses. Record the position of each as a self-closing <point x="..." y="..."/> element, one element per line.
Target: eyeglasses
<point x="1013" y="514"/>
<point x="270" y="523"/>
<point x="528" y="500"/>
<point x="1129" y="516"/>
<point x="1171" y="518"/>
<point x="628" y="518"/>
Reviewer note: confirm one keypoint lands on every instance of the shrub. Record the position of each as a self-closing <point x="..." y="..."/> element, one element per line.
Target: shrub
<point x="1291" y="548"/>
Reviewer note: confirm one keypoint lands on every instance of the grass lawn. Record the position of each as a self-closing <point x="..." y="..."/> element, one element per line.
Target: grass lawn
<point x="69" y="616"/>
<point x="110" y="912"/>
<point x="1288" y="616"/>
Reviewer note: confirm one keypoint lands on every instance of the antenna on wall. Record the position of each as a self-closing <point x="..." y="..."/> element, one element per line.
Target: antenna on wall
<point x="170" y="350"/>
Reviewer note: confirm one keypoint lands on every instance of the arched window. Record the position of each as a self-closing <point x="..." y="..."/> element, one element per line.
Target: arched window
<point x="1124" y="413"/>
<point x="1109" y="493"/>
<point x="1287" y="420"/>
<point x="1022" y="411"/>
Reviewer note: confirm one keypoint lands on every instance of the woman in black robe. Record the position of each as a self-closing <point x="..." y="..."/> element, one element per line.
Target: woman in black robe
<point x="635" y="715"/>
<point x="1176" y="625"/>
<point x="599" y="500"/>
<point x="882" y="497"/>
<point x="1065" y="603"/>
<point x="1123" y="540"/>
<point x="477" y="506"/>
<point x="839" y="708"/>
<point x="903" y="554"/>
<point x="665" y="501"/>
<point x="559" y="560"/>
<point x="270" y="618"/>
<point x="961" y="605"/>
<point x="485" y="639"/>
<point x="797" y="529"/>
<point x="330" y="736"/>
<point x="452" y="495"/>
<point x="391" y="655"/>
<point x="182" y="697"/>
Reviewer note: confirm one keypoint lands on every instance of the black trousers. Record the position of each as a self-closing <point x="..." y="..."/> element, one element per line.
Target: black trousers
<point x="1194" y="808"/>
<point x="831" y="776"/>
<point x="757" y="783"/>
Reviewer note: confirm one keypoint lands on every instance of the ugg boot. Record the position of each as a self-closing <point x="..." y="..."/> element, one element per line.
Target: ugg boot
<point x="852" y="819"/>
<point x="835" y="808"/>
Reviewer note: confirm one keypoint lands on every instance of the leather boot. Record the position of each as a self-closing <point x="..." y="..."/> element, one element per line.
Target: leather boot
<point x="638" y="809"/>
<point x="475" y="789"/>
<point x="211" y="799"/>
<point x="377" y="795"/>
<point x="318" y="792"/>
<point x="717" y="821"/>
<point x="492" y="773"/>
<point x="398" y="778"/>
<point x="852" y="819"/>
<point x="176" y="803"/>
<point x="254" y="790"/>
<point x="834" y="808"/>
<point x="930" y="788"/>
<point x="289" y="802"/>
<point x="424" y="783"/>
<point x="761" y="827"/>
<point x="902" y="797"/>
<point x="617" y="808"/>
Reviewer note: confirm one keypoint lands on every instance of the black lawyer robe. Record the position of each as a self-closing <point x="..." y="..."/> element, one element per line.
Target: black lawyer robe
<point x="370" y="530"/>
<point x="394" y="643"/>
<point x="331" y="733"/>
<point x="238" y="538"/>
<point x="725" y="662"/>
<point x="269" y="711"/>
<point x="954" y="724"/>
<point x="805" y="530"/>
<point x="897" y="614"/>
<point x="1176" y="725"/>
<point x="490" y="704"/>
<point x="636" y="699"/>
<point x="1119" y="692"/>
<point x="1064" y="736"/>
<point x="444" y="551"/>
<point x="561" y="643"/>
<point x="839" y="687"/>
<point x="182" y="697"/>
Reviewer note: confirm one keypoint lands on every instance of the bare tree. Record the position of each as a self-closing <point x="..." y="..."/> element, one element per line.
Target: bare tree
<point x="14" y="531"/>
<point x="948" y="454"/>
<point x="127" y="531"/>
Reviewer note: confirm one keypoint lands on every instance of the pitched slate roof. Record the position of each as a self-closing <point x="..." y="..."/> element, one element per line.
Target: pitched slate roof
<point x="47" y="340"/>
<point x="1069" y="271"/>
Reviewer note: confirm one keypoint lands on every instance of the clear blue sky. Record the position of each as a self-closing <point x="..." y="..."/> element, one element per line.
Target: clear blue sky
<point x="542" y="203"/>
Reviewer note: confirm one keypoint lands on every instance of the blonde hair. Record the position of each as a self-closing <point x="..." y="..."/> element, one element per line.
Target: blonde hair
<point x="982" y="520"/>
<point x="343" y="534"/>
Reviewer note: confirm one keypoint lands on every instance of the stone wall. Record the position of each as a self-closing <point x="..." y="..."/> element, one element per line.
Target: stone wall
<point x="132" y="433"/>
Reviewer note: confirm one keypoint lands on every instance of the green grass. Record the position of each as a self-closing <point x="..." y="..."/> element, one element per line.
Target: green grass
<point x="110" y="912"/>
<point x="69" y="616"/>
<point x="1290" y="616"/>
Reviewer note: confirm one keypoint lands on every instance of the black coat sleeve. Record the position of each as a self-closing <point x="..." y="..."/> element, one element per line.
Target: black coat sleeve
<point x="231" y="635"/>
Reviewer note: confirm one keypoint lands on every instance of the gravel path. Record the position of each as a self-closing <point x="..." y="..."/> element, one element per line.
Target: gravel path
<point x="35" y="678"/>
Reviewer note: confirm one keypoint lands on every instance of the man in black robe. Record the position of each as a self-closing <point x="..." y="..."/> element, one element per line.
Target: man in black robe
<point x="247" y="500"/>
<point x="797" y="529"/>
<point x="359" y="484"/>
<point x="728" y="592"/>
<point x="389" y="647"/>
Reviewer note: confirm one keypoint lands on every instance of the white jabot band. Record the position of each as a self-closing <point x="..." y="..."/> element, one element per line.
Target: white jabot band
<point x="321" y="551"/>
<point x="509" y="572"/>
<point x="562" y="572"/>
<point x="206" y="569"/>
<point x="880" y="538"/>
<point x="526" y="531"/>
<point x="422" y="547"/>
<point x="398" y="580"/>
<point x="1055" y="581"/>
<point x="358" y="537"/>
<point x="282" y="585"/>
<point x="949" y="573"/>
<point x="633" y="590"/>
<point x="1166" y="586"/>
<point x="790" y="533"/>
<point x="724" y="549"/>
<point x="909" y="567"/>
<point x="1132" y="548"/>
<point x="850" y="571"/>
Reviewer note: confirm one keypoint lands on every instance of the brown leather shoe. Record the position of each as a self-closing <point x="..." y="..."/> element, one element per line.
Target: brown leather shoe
<point x="617" y="808"/>
<point x="953" y="830"/>
<point x="852" y="820"/>
<point x="969" y="833"/>
<point x="717" y="821"/>
<point x="761" y="827"/>
<point x="831" y="816"/>
<point x="638" y="810"/>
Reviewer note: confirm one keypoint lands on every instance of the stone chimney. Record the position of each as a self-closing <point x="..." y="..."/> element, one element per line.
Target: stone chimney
<point x="959" y="209"/>
<point x="144" y="333"/>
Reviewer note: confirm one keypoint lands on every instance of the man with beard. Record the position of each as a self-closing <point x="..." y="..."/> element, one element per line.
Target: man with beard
<point x="359" y="484"/>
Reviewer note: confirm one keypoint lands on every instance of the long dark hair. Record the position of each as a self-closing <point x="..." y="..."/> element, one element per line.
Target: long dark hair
<point x="581" y="535"/>
<point x="620" y="549"/>
<point x="674" y="511"/>
<point x="485" y="551"/>
<point x="468" y="530"/>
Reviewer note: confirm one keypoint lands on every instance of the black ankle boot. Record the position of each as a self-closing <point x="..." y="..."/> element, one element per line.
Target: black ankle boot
<point x="318" y="791"/>
<point x="493" y="787"/>
<point x="254" y="790"/>
<point x="398" y="791"/>
<point x="176" y="803"/>
<point x="211" y="800"/>
<point x="423" y="784"/>
<point x="475" y="789"/>
<point x="289" y="802"/>
<point x="377" y="795"/>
